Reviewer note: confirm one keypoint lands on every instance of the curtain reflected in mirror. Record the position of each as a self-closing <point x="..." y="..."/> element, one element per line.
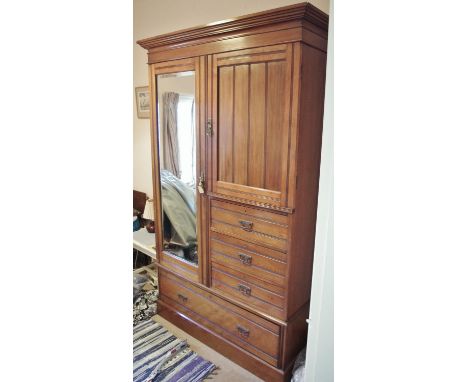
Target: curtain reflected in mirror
<point x="177" y="158"/>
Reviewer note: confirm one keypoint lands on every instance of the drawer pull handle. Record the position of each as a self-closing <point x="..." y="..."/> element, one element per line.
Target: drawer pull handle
<point x="182" y="297"/>
<point x="246" y="225"/>
<point x="243" y="331"/>
<point x="244" y="289"/>
<point x="245" y="259"/>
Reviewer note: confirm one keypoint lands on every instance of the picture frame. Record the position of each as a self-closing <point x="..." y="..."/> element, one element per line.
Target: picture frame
<point x="143" y="101"/>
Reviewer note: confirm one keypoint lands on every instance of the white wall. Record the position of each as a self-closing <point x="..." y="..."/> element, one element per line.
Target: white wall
<point x="319" y="359"/>
<point x="153" y="17"/>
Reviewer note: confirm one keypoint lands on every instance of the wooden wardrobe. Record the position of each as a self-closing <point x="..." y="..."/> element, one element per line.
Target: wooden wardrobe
<point x="259" y="95"/>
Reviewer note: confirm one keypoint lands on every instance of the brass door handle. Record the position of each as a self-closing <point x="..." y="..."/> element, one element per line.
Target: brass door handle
<point x="245" y="259"/>
<point x="209" y="128"/>
<point x="182" y="297"/>
<point x="246" y="225"/>
<point x="244" y="332"/>
<point x="244" y="289"/>
<point x="201" y="184"/>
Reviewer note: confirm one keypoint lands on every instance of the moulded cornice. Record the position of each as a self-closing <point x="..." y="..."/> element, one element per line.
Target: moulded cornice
<point x="297" y="12"/>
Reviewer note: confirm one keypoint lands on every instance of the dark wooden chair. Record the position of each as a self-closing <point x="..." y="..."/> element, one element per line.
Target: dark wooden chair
<point x="139" y="202"/>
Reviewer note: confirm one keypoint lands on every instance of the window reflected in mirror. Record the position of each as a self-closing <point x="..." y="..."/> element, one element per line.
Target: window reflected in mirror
<point x="177" y="158"/>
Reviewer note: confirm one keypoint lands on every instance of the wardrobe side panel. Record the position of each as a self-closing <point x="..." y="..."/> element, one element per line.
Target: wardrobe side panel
<point x="309" y="143"/>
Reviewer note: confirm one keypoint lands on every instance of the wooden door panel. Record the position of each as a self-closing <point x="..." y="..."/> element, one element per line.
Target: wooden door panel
<point x="251" y="110"/>
<point x="275" y="125"/>
<point x="225" y="146"/>
<point x="241" y="118"/>
<point x="256" y="169"/>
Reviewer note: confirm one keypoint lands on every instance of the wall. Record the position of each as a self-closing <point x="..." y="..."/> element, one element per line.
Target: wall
<point x="320" y="359"/>
<point x="153" y="17"/>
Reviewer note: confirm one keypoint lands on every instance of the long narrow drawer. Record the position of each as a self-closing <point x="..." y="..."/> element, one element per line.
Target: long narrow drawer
<point x="176" y="265"/>
<point x="263" y="263"/>
<point x="257" y="226"/>
<point x="266" y="297"/>
<point x="245" y="329"/>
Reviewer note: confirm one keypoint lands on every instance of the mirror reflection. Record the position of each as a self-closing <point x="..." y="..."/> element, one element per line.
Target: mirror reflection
<point x="177" y="158"/>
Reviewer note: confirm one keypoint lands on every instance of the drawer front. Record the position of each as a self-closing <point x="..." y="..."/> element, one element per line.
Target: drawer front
<point x="251" y="332"/>
<point x="267" y="298"/>
<point x="253" y="260"/>
<point x="250" y="224"/>
<point x="184" y="269"/>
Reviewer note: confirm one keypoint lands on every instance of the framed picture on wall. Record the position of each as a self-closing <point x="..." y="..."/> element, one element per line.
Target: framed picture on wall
<point x="142" y="101"/>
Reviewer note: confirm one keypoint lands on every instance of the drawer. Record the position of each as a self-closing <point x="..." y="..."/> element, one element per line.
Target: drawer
<point x="260" y="262"/>
<point x="183" y="268"/>
<point x="245" y="329"/>
<point x="266" y="297"/>
<point x="254" y="225"/>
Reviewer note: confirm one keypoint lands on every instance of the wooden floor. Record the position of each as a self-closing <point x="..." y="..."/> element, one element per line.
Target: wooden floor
<point x="227" y="370"/>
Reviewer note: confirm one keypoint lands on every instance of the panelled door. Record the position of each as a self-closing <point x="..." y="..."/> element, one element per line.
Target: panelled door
<point x="250" y="141"/>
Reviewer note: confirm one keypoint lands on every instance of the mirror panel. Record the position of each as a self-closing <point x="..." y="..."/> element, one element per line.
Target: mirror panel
<point x="177" y="159"/>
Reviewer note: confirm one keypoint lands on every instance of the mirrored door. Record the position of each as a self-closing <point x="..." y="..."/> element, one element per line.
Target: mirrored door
<point x="177" y="164"/>
<point x="178" y="95"/>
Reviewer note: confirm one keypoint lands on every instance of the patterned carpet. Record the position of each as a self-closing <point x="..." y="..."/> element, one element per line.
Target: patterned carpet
<point x="159" y="356"/>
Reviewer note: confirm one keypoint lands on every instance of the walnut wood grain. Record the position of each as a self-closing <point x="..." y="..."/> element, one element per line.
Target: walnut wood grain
<point x="249" y="290"/>
<point x="262" y="338"/>
<point x="253" y="203"/>
<point x="252" y="93"/>
<point x="201" y="138"/>
<point x="260" y="82"/>
<point x="280" y="220"/>
<point x="299" y="12"/>
<point x="193" y="324"/>
<point x="152" y="80"/>
<point x="185" y="269"/>
<point x="226" y="118"/>
<point x="256" y="153"/>
<point x="288" y="33"/>
<point x="251" y="259"/>
<point x="295" y="335"/>
<point x="256" y="226"/>
<point x="309" y="142"/>
<point x="241" y="131"/>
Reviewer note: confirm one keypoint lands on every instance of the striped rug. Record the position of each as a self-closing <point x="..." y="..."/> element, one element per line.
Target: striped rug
<point x="159" y="356"/>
